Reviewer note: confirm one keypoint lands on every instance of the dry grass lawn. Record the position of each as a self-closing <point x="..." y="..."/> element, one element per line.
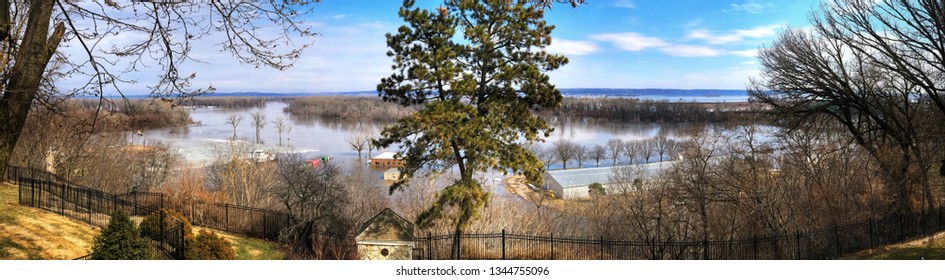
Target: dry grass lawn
<point x="924" y="248"/>
<point x="29" y="233"/>
<point x="250" y="248"/>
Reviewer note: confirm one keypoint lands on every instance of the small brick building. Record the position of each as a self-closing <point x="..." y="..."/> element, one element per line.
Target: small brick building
<point x="387" y="236"/>
<point x="386" y="159"/>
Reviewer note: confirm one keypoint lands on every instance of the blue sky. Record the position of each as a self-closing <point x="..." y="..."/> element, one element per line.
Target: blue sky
<point x="693" y="44"/>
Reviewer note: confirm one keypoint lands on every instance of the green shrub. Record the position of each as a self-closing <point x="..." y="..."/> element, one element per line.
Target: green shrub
<point x="596" y="189"/>
<point x="121" y="240"/>
<point x="151" y="226"/>
<point x="210" y="246"/>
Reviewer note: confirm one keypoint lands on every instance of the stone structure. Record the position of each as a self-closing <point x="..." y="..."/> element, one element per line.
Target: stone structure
<point x="387" y="236"/>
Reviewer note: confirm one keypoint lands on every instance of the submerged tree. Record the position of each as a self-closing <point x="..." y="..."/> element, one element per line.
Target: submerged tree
<point x="477" y="88"/>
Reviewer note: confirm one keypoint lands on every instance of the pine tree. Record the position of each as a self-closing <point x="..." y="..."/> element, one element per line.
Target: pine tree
<point x="120" y="241"/>
<point x="477" y="89"/>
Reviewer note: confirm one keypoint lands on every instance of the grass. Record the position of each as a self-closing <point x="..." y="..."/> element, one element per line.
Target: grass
<point x="28" y="233"/>
<point x="248" y="248"/>
<point x="925" y="248"/>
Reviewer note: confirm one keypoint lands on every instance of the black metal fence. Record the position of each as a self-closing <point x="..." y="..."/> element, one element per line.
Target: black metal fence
<point x="90" y="205"/>
<point x="828" y="243"/>
<point x="93" y="207"/>
<point x="247" y="221"/>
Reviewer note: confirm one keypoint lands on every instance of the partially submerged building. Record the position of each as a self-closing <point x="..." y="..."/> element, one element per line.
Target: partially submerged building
<point x="386" y="159"/>
<point x="575" y="183"/>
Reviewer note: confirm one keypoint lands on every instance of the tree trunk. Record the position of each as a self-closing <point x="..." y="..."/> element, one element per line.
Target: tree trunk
<point x="35" y="50"/>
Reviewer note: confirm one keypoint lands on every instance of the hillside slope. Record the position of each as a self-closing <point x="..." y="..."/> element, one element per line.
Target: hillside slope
<point x="29" y="233"/>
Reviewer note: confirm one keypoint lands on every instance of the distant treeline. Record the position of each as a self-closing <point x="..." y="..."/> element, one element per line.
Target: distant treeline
<point x="134" y="113"/>
<point x="637" y="110"/>
<point x="227" y="102"/>
<point x="358" y="108"/>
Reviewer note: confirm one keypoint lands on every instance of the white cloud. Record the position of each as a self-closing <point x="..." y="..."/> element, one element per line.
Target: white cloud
<point x="339" y="16"/>
<point x="631" y="41"/>
<point x="750" y="7"/>
<point x="626" y="4"/>
<point x="690" y="51"/>
<point x="572" y="47"/>
<point x="745" y="53"/>
<point x="735" y="36"/>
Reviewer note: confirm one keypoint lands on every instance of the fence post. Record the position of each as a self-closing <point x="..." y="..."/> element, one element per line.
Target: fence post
<point x="871" y="233"/>
<point x="181" y="248"/>
<point x="134" y="200"/>
<point x="429" y="246"/>
<point x="503" y="244"/>
<point x="32" y="194"/>
<point x="88" y="200"/>
<point x="601" y="247"/>
<point x="265" y="227"/>
<point x="836" y="231"/>
<point x="161" y="238"/>
<point x="226" y="209"/>
<point x="62" y="200"/>
<point x="754" y="246"/>
<point x="162" y="200"/>
<point x="797" y="243"/>
<point x="705" y="248"/>
<point x="552" y="245"/>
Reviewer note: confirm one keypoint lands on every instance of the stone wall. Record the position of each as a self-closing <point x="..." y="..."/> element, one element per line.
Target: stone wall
<point x="394" y="252"/>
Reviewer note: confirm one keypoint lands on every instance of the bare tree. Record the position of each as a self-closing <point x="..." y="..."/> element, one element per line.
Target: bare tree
<point x="358" y="141"/>
<point x="31" y="32"/>
<point x="876" y="68"/>
<point x="581" y="154"/>
<point x="234" y="121"/>
<point x="646" y="149"/>
<point x="259" y="121"/>
<point x="565" y="150"/>
<point x="547" y="155"/>
<point x="661" y="144"/>
<point x="598" y="153"/>
<point x="288" y="134"/>
<point x="631" y="149"/>
<point x="281" y="127"/>
<point x="615" y="147"/>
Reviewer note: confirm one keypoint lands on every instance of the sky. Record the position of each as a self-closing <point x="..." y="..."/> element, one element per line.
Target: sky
<point x="692" y="44"/>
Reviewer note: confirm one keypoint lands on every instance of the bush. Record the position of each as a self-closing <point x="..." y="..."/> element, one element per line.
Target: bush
<point x="596" y="189"/>
<point x="121" y="240"/>
<point x="210" y="246"/>
<point x="151" y="226"/>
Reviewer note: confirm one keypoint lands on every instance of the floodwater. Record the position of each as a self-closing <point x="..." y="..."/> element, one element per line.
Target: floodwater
<point x="200" y="143"/>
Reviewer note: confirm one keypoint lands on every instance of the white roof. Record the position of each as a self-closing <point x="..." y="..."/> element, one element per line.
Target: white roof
<point x="582" y="177"/>
<point x="385" y="155"/>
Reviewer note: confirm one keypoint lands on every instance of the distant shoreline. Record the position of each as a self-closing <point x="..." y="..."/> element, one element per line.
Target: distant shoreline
<point x="671" y="95"/>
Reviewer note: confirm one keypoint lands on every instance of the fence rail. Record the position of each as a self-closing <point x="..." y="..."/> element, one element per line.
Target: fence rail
<point x="830" y="243"/>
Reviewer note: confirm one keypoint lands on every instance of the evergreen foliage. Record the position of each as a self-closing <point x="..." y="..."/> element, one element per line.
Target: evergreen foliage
<point x="476" y="88"/>
<point x="596" y="189"/>
<point x="120" y="241"/>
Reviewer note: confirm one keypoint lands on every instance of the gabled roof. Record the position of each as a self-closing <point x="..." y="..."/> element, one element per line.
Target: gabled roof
<point x="386" y="226"/>
<point x="385" y="155"/>
<point x="582" y="177"/>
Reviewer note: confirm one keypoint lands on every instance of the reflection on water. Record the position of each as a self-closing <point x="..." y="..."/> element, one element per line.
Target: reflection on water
<point x="313" y="137"/>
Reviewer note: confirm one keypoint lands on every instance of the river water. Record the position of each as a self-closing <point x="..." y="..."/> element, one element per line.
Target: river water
<point x="201" y="142"/>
